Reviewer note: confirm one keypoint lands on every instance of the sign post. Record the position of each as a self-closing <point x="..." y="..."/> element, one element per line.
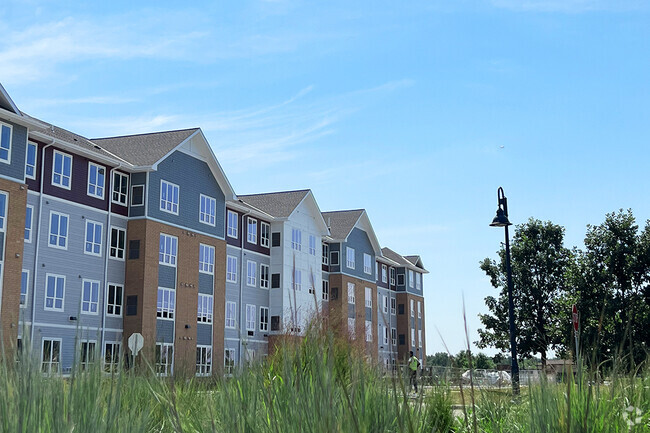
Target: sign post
<point x="136" y="342"/>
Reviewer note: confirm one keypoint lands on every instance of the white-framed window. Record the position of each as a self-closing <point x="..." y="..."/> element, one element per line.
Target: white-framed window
<point x="419" y="310"/>
<point x="168" y="250"/>
<point x="412" y="337"/>
<point x="349" y="257"/>
<point x="334" y="258"/>
<point x="296" y="239"/>
<point x="418" y="280"/>
<point x="166" y="305"/>
<point x="231" y="312"/>
<point x="51" y="356"/>
<point x="30" y="160"/>
<point x="54" y="292"/>
<point x="393" y="336"/>
<point x="400" y="279"/>
<point x="206" y="259"/>
<point x="352" y="327"/>
<point x="251" y="230"/>
<point x="96" y="180"/>
<point x="265" y="234"/>
<point x="393" y="306"/>
<point x="120" y="188"/>
<point x="411" y="279"/>
<point x="207" y="210"/>
<point x="368" y="297"/>
<point x="412" y="305"/>
<point x="264" y="319"/>
<point x="204" y="309"/>
<point x="312" y="245"/>
<point x="4" y="197"/>
<point x="111" y="357"/>
<point x="326" y="254"/>
<point x="367" y="264"/>
<point x="164" y="358"/>
<point x="368" y="330"/>
<point x="5" y="142"/>
<point x="24" y="287"/>
<point x="29" y="222"/>
<point x="419" y="338"/>
<point x="203" y="360"/>
<point x="392" y="276"/>
<point x="61" y="170"/>
<point x="118" y="243"/>
<point x="90" y="297"/>
<point x="233" y="223"/>
<point x="93" y="244"/>
<point x="351" y="299"/>
<point x="250" y="355"/>
<point x="169" y="197"/>
<point x="87" y="353"/>
<point x="326" y="290"/>
<point x="229" y="360"/>
<point x="58" y="230"/>
<point x="250" y="317"/>
<point x="114" y="300"/>
<point x="385" y="303"/>
<point x="231" y="269"/>
<point x="137" y="195"/>
<point x="251" y="273"/>
<point x="297" y="279"/>
<point x="264" y="276"/>
<point x="384" y="274"/>
<point x="385" y="335"/>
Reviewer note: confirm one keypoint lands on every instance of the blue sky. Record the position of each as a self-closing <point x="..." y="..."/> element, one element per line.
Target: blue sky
<point x="416" y="111"/>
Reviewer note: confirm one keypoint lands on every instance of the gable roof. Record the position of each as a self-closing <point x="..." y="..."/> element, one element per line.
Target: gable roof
<point x="277" y="204"/>
<point x="143" y="150"/>
<point x="403" y="261"/>
<point x="416" y="260"/>
<point x="342" y="222"/>
<point x="7" y="103"/>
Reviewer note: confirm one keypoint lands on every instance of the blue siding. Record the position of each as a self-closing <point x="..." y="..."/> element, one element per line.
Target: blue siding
<point x="166" y="276"/>
<point x="358" y="239"/>
<point x="335" y="247"/>
<point x="164" y="331"/>
<point x="193" y="177"/>
<point x="206" y="283"/>
<point x="203" y="334"/>
<point x="16" y="168"/>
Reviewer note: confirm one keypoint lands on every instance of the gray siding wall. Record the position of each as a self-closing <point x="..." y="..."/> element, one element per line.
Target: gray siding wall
<point x="16" y="168"/>
<point x="166" y="276"/>
<point x="164" y="331"/>
<point x="193" y="177"/>
<point x="203" y="334"/>
<point x="385" y="320"/>
<point x="206" y="283"/>
<point x="358" y="239"/>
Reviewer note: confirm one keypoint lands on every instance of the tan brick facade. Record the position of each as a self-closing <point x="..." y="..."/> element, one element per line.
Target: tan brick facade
<point x="404" y="326"/>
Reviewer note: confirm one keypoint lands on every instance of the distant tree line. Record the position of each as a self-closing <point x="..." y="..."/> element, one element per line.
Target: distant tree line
<point x="479" y="360"/>
<point x="608" y="281"/>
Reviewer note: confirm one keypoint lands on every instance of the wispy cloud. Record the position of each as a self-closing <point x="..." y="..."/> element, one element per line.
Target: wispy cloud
<point x="571" y="6"/>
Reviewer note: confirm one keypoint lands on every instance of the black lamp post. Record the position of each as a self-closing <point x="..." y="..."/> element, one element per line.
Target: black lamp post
<point x="501" y="220"/>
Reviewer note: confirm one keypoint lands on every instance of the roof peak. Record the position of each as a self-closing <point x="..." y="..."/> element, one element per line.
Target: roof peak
<point x="145" y="133"/>
<point x="345" y="210"/>
<point x="274" y="192"/>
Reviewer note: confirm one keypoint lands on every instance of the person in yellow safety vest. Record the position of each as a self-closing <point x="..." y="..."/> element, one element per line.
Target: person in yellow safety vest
<point x="413" y="364"/>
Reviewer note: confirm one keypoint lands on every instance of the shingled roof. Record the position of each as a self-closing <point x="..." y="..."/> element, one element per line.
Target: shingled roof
<point x="408" y="261"/>
<point x="342" y="222"/>
<point x="144" y="149"/>
<point x="277" y="204"/>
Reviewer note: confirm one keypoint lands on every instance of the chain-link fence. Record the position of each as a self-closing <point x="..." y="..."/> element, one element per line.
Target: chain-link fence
<point x="434" y="375"/>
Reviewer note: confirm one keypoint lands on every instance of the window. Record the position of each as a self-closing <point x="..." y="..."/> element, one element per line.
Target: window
<point x="419" y="338"/>
<point x="412" y="308"/>
<point x="412" y="337"/>
<point x="5" y="142"/>
<point x="368" y="297"/>
<point x="164" y="358"/>
<point x="326" y="290"/>
<point x="392" y="276"/>
<point x="24" y="285"/>
<point x="264" y="319"/>
<point x="231" y="269"/>
<point x="96" y="180"/>
<point x="275" y="239"/>
<point x="418" y="281"/>
<point x="229" y="360"/>
<point x="334" y="258"/>
<point x="411" y="283"/>
<point x="30" y="161"/>
<point x="114" y="301"/>
<point x="296" y="239"/>
<point x="312" y="245"/>
<point x="58" y="230"/>
<point x="349" y="257"/>
<point x="231" y="311"/>
<point x="264" y="276"/>
<point x="51" y="359"/>
<point x="207" y="209"/>
<point x="275" y="281"/>
<point x="368" y="330"/>
<point x="137" y="195"/>
<point x="233" y="220"/>
<point x="251" y="230"/>
<point x="350" y="293"/>
<point x="251" y="273"/>
<point x="385" y="303"/>
<point x="204" y="311"/>
<point x="384" y="274"/>
<point x="385" y="336"/>
<point x="132" y="305"/>
<point x="111" y="357"/>
<point x="250" y="355"/>
<point x="54" y="292"/>
<point x="29" y="218"/>
<point x="118" y="242"/>
<point x="167" y="251"/>
<point x="166" y="305"/>
<point x="400" y="309"/>
<point x="169" y="197"/>
<point x="367" y="264"/>
<point x="93" y="244"/>
<point x="206" y="259"/>
<point x="393" y="336"/>
<point x="352" y="327"/>
<point x="203" y="360"/>
<point x="265" y="231"/>
<point x="376" y="270"/>
<point x="90" y="297"/>
<point x="3" y="209"/>
<point x="400" y="279"/>
<point x="393" y="303"/>
<point x="326" y="254"/>
<point x="120" y="188"/>
<point x="134" y="249"/>
<point x="250" y="317"/>
<point x="297" y="280"/>
<point x="419" y="310"/>
<point x="61" y="170"/>
<point x="87" y="354"/>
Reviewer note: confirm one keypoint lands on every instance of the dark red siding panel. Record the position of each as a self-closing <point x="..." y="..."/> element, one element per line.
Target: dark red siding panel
<point x="255" y="247"/>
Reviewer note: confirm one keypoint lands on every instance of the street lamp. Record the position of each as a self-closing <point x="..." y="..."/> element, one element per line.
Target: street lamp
<point x="501" y="220"/>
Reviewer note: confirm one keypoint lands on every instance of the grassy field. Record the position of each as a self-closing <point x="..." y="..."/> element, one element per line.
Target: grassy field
<point x="316" y="386"/>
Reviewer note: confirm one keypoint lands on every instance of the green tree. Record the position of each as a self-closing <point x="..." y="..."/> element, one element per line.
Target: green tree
<point x="440" y="359"/>
<point x="539" y="263"/>
<point x="482" y="361"/>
